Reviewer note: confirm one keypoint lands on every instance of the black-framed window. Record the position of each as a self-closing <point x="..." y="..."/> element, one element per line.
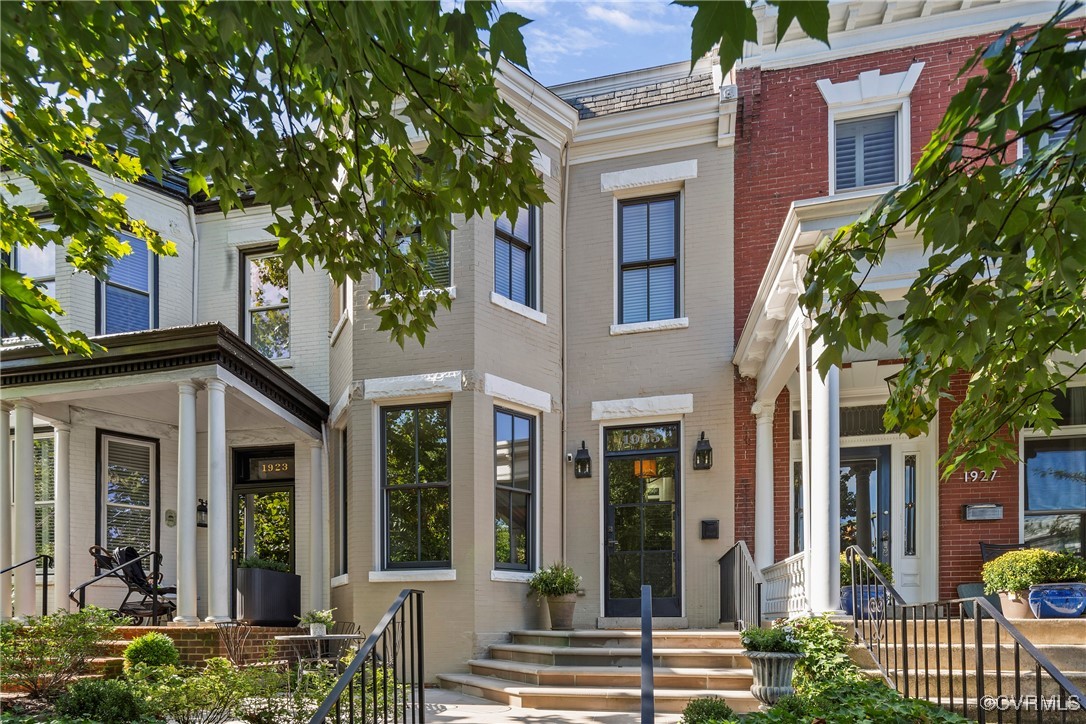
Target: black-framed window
<point x="129" y="490"/>
<point x="37" y="263"/>
<point x="514" y="488"/>
<point x="415" y="484"/>
<point x="865" y="152"/>
<point x="266" y="300"/>
<point x="1055" y="491"/>
<point x="648" y="276"/>
<point x="127" y="297"/>
<point x="515" y="257"/>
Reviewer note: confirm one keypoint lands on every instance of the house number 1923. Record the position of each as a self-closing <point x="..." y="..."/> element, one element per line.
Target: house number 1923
<point x="979" y="476"/>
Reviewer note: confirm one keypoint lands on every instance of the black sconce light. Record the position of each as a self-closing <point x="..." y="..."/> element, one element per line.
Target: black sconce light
<point x="582" y="463"/>
<point x="703" y="454"/>
<point x="201" y="513"/>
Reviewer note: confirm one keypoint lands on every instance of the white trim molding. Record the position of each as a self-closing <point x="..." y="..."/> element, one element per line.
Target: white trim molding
<point x="542" y="162"/>
<point x="338" y="581"/>
<point x="511" y="576"/>
<point x="870" y="87"/>
<point x="665" y="173"/>
<point x="413" y="575"/>
<point x="655" y="326"/>
<point x="433" y="383"/>
<point x="661" y="405"/>
<point x="516" y="393"/>
<point x="518" y="308"/>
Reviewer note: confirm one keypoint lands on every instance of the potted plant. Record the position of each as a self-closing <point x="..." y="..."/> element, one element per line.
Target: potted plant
<point x="558" y="584"/>
<point x="1037" y="582"/>
<point x="268" y="593"/>
<point x="869" y="592"/>
<point x="773" y="653"/>
<point x="318" y="620"/>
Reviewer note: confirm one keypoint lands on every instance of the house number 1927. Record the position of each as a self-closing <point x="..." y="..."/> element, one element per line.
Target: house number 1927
<point x="979" y="476"/>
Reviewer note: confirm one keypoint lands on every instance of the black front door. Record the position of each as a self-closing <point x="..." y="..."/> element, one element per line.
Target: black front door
<point x="641" y="519"/>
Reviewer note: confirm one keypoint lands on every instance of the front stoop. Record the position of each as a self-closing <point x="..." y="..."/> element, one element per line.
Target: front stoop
<point x="600" y="670"/>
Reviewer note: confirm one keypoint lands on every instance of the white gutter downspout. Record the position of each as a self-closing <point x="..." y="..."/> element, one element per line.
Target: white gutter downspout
<point x="195" y="263"/>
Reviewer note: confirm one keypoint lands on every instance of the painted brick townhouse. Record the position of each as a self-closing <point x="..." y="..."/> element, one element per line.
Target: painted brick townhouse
<point x="651" y="304"/>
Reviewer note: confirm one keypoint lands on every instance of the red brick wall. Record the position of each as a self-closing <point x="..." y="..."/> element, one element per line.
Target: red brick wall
<point x="959" y="552"/>
<point x="199" y="643"/>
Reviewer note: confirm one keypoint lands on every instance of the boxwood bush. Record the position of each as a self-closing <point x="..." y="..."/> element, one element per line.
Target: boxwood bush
<point x="109" y="701"/>
<point x="151" y="649"/>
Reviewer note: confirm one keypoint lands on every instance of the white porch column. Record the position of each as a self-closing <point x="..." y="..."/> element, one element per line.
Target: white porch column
<point x="186" y="504"/>
<point x="23" y="512"/>
<point x="825" y="514"/>
<point x="317" y="572"/>
<point x="218" y="506"/>
<point x="5" y="510"/>
<point x="62" y="515"/>
<point x="763" y="484"/>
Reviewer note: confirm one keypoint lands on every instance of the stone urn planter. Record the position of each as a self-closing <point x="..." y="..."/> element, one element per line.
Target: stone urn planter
<point x="772" y="675"/>
<point x="561" y="610"/>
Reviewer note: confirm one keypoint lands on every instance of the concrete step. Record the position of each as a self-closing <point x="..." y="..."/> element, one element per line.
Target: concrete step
<point x="1071" y="631"/>
<point x="994" y="684"/>
<point x="585" y="698"/>
<point x="620" y="656"/>
<point x="612" y="676"/>
<point x="616" y="638"/>
<point x="1065" y="657"/>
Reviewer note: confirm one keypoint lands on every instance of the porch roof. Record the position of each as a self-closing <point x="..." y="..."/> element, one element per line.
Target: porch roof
<point x="157" y="350"/>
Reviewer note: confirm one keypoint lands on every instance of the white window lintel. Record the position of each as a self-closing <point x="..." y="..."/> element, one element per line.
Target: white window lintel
<point x="516" y="393"/>
<point x="633" y="407"/>
<point x="870" y="87"/>
<point x="648" y="176"/>
<point x="434" y="383"/>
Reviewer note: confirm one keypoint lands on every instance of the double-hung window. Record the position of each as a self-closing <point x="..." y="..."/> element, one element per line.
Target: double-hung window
<point x="44" y="503"/>
<point x="514" y="257"/>
<point x="1061" y="127"/>
<point x="648" y="259"/>
<point x="339" y="504"/>
<point x="37" y="263"/>
<point x="267" y="304"/>
<point x="438" y="256"/>
<point x="128" y="493"/>
<point x="514" y="486"/>
<point x="865" y="152"/>
<point x="127" y="297"/>
<point x="415" y="483"/>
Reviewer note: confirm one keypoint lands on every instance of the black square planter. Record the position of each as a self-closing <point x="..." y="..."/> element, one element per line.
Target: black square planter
<point x="269" y="598"/>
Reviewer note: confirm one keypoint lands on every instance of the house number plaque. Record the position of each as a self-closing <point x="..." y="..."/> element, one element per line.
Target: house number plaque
<point x="976" y="475"/>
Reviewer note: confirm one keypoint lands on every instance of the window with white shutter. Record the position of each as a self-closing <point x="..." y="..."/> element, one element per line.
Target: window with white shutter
<point x="865" y="152"/>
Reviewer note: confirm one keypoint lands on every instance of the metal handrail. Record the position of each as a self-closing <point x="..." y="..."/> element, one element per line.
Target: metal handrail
<point x="741" y="585"/>
<point x="399" y="634"/>
<point x="47" y="561"/>
<point x="903" y="639"/>
<point x="648" y="681"/>
<point x="156" y="575"/>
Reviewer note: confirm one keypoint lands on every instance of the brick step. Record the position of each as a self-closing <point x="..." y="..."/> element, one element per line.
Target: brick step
<point x="620" y="656"/>
<point x="612" y="676"/>
<point x="585" y="698"/>
<point x="8" y="688"/>
<point x="106" y="666"/>
<point x="620" y="638"/>
<point x="1065" y="657"/>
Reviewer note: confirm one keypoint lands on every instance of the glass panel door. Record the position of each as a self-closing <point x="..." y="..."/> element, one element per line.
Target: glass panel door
<point x="263" y="514"/>
<point x="865" y="500"/>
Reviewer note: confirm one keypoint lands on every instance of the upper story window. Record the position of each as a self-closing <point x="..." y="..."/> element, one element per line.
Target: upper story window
<point x="1062" y="126"/>
<point x="127" y="298"/>
<point x="648" y="276"/>
<point x="865" y="152"/>
<point x="515" y="258"/>
<point x="438" y="257"/>
<point x="40" y="264"/>
<point x="267" y="304"/>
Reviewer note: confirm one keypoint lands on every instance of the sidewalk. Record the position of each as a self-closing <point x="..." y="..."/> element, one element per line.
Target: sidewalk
<point x="448" y="706"/>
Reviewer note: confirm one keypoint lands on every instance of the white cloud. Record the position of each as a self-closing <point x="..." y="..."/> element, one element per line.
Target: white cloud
<point x="621" y="19"/>
<point x="532" y="9"/>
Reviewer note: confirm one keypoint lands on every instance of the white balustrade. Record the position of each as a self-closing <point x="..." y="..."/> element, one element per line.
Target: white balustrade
<point x="785" y="589"/>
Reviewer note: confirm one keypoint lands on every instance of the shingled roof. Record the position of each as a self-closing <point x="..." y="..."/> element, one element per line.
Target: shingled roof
<point x="656" y="94"/>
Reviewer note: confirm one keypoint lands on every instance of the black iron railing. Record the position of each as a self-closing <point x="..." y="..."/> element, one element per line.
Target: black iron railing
<point x="46" y="563"/>
<point x="961" y="654"/>
<point x="79" y="593"/>
<point x="385" y="680"/>
<point x="648" y="681"/>
<point x="740" y="588"/>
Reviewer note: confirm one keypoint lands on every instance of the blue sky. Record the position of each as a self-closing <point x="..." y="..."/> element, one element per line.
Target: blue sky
<point x="572" y="39"/>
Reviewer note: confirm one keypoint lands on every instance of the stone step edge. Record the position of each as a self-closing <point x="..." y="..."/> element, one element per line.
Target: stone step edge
<point x="530" y="668"/>
<point x="628" y="633"/>
<point x="516" y="688"/>
<point x="610" y="651"/>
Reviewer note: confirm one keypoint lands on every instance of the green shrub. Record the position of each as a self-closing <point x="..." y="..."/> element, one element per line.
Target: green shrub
<point x="266" y="563"/>
<point x="558" y="579"/>
<point x="884" y="568"/>
<point x="1018" y="570"/>
<point x="109" y="701"/>
<point x="870" y="701"/>
<point x="42" y="655"/>
<point x="707" y="710"/>
<point x="826" y="660"/>
<point x="778" y="638"/>
<point x="186" y="695"/>
<point x="151" y="649"/>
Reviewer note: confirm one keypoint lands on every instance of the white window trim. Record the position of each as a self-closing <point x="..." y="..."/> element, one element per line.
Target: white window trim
<point x="643" y="408"/>
<point x="639" y="178"/>
<point x="409" y="576"/>
<point x="338" y="581"/>
<point x="872" y="94"/>
<point x="346" y="314"/>
<point x="408" y="387"/>
<point x="451" y="288"/>
<point x="533" y="310"/>
<point x="680" y="263"/>
<point x="520" y="396"/>
<point x="103" y="501"/>
<point x="658" y="325"/>
<point x="518" y="308"/>
<point x="507" y="574"/>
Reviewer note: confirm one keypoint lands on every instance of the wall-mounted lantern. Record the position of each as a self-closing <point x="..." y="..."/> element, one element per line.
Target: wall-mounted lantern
<point x="703" y="454"/>
<point x="201" y="513"/>
<point x="582" y="463"/>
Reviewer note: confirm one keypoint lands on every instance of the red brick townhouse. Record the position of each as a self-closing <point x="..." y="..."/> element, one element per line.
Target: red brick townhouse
<point x="821" y="133"/>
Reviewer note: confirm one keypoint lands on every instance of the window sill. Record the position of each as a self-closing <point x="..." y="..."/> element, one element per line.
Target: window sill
<point x="338" y="329"/>
<point x="338" y="581"/>
<point x="414" y="575"/>
<point x="284" y="364"/>
<point x="385" y="298"/>
<point x="511" y="576"/>
<point x="656" y="326"/>
<point x="518" y="308"/>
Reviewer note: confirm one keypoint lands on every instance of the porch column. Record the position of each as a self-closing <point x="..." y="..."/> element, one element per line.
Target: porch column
<point x="62" y="516"/>
<point x="763" y="484"/>
<point x="5" y="510"/>
<point x="825" y="513"/>
<point x="316" y="526"/>
<point x="186" y="504"/>
<point x="218" y="506"/>
<point x="23" y="511"/>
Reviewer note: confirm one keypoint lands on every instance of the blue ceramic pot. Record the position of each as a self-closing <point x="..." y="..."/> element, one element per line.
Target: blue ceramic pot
<point x="869" y="597"/>
<point x="1058" y="600"/>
